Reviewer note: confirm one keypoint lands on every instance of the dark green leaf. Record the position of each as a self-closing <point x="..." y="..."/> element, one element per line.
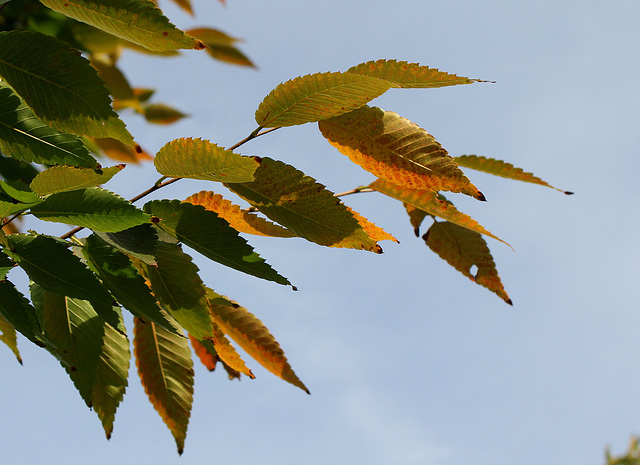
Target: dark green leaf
<point x="17" y="310"/>
<point x="138" y="242"/>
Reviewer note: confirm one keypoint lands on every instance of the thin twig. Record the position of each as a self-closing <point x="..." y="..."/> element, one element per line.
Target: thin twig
<point x="357" y="190"/>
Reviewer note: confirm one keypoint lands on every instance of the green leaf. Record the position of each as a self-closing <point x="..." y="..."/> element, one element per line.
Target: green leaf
<point x="138" y="242"/>
<point x="463" y="249"/>
<point x="160" y="113"/>
<point x="54" y="267"/>
<point x="501" y="168"/>
<point x="200" y="159"/>
<point x="138" y="21"/>
<point x="207" y="233"/>
<point x="9" y="337"/>
<point x="16" y="197"/>
<point x="408" y="75"/>
<point x="68" y="178"/>
<point x="59" y="85"/>
<point x="302" y="205"/>
<point x="19" y="313"/>
<point x="177" y="286"/>
<point x="25" y="137"/>
<point x="317" y="97"/>
<point x="16" y="170"/>
<point x="94" y="208"/>
<point x="118" y="274"/>
<point x="396" y="150"/>
<point x="6" y="265"/>
<point x="166" y="371"/>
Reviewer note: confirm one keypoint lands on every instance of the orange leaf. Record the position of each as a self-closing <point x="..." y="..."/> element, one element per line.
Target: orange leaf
<point x="462" y="249"/>
<point x="240" y="220"/>
<point x="227" y="353"/>
<point x="396" y="150"/>
<point x="116" y="150"/>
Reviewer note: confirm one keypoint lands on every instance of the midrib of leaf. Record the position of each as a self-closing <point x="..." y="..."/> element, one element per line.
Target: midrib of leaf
<point x="158" y="355"/>
<point x="36" y="139"/>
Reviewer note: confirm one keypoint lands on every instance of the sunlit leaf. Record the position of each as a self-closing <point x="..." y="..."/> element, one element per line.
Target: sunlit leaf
<point x="160" y="113"/>
<point x="303" y="206"/>
<point x="207" y="233"/>
<point x="227" y="353"/>
<point x="116" y="150"/>
<point x="432" y="203"/>
<point x="221" y="46"/>
<point x="54" y="267"/>
<point x="317" y="97"/>
<point x="501" y="168"/>
<point x="254" y="338"/>
<point x="62" y="178"/>
<point x="463" y="249"/>
<point x="408" y="75"/>
<point x="396" y="150"/>
<point x="16" y="197"/>
<point x="9" y="338"/>
<point x="138" y="21"/>
<point x="38" y="68"/>
<point x="240" y="220"/>
<point x="208" y="355"/>
<point x="25" y="137"/>
<point x="93" y="207"/>
<point x="201" y="159"/>
<point x="166" y="371"/>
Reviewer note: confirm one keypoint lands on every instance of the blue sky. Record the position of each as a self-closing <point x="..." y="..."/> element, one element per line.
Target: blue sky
<point x="407" y="361"/>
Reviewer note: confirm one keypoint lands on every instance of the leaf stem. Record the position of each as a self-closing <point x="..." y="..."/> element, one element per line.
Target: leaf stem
<point x="357" y="190"/>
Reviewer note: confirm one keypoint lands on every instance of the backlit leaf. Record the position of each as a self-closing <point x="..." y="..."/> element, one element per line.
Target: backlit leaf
<point x="396" y="150"/>
<point x="61" y="178"/>
<point x="408" y="75"/>
<point x="303" y="206"/>
<point x="138" y="21"/>
<point x="94" y="208"/>
<point x="160" y="113"/>
<point x="116" y="150"/>
<point x="16" y="197"/>
<point x="432" y="203"/>
<point x="166" y="371"/>
<point x="463" y="249"/>
<point x="221" y="46"/>
<point x="54" y="267"/>
<point x="207" y="233"/>
<point x="317" y="97"/>
<point x="254" y="338"/>
<point x="240" y="220"/>
<point x="501" y="168"/>
<point x="8" y="336"/>
<point x="138" y="242"/>
<point x="227" y="353"/>
<point x="114" y="80"/>
<point x="200" y="159"/>
<point x="24" y="136"/>
<point x="205" y="352"/>
<point x="59" y="85"/>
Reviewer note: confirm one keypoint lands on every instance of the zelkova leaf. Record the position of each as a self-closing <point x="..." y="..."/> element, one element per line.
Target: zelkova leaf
<point x="54" y="267"/>
<point x="16" y="197"/>
<point x="161" y="113"/>
<point x="303" y="206"/>
<point x="166" y="371"/>
<point x="396" y="150"/>
<point x="408" y="75"/>
<point x="432" y="203"/>
<point x="138" y="242"/>
<point x="120" y="276"/>
<point x="9" y="337"/>
<point x="61" y="178"/>
<point x="502" y="169"/>
<point x="201" y="159"/>
<point x="59" y="85"/>
<point x="138" y="21"/>
<point x="227" y="353"/>
<point x="94" y="208"/>
<point x="317" y="97"/>
<point x="463" y="249"/>
<point x="207" y="233"/>
<point x="241" y="220"/>
<point x="254" y="338"/>
<point x="178" y="288"/>
<point x="221" y="46"/>
<point x="208" y="355"/>
<point x="25" y="137"/>
<point x="18" y="312"/>
<point x="116" y="150"/>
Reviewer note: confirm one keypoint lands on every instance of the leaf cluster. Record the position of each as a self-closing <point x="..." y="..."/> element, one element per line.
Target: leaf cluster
<point x="61" y="95"/>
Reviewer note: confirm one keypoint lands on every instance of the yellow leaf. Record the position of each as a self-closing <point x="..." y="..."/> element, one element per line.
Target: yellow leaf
<point x="116" y="150"/>
<point x="240" y="220"/>
<point x="396" y="150"/>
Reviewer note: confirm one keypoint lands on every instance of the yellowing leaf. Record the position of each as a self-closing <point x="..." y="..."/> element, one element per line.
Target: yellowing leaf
<point x="432" y="203"/>
<point x="396" y="150"/>
<point x="316" y="97"/>
<point x="60" y="178"/>
<point x="116" y="150"/>
<point x="408" y="75"/>
<point x="240" y="220"/>
<point x="221" y="46"/>
<point x="209" y="358"/>
<point x="254" y="338"/>
<point x="138" y="21"/>
<point x="8" y="336"/>
<point x="501" y="168"/>
<point x="166" y="371"/>
<point x="463" y="249"/>
<point x="227" y="353"/>
<point x="303" y="206"/>
<point x="159" y="113"/>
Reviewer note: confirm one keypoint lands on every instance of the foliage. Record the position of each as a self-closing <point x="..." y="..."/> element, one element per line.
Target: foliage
<point x="632" y="457"/>
<point x="61" y="92"/>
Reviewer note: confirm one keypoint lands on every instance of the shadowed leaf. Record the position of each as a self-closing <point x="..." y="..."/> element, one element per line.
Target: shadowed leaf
<point x="462" y="249"/>
<point x="166" y="371"/>
<point x="396" y="150"/>
<point x="68" y="178"/>
<point x="18" y="312"/>
<point x="8" y="336"/>
<point x="138" y="242"/>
